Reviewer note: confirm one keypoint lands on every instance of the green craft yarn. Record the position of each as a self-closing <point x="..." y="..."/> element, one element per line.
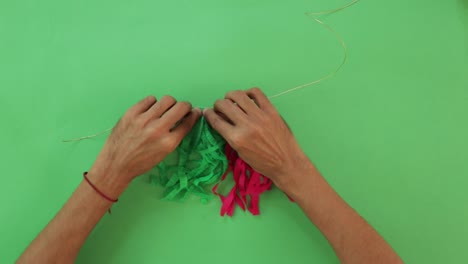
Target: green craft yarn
<point x="197" y="163"/>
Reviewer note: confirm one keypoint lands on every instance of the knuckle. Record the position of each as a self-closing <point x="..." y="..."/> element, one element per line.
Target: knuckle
<point x="252" y="133"/>
<point x="150" y="98"/>
<point x="139" y="121"/>
<point x="220" y="102"/>
<point x="127" y="117"/>
<point x="186" y="105"/>
<point x="155" y="108"/>
<point x="208" y="115"/>
<point x="237" y="141"/>
<point x="263" y="119"/>
<point x="131" y="111"/>
<point x="238" y="93"/>
<point x="234" y="94"/>
<point x="168" y="99"/>
<point x="156" y="132"/>
<point x="256" y="90"/>
<point x="142" y="121"/>
<point x="215" y="122"/>
<point x="208" y="112"/>
<point x="169" y="144"/>
<point x="252" y="128"/>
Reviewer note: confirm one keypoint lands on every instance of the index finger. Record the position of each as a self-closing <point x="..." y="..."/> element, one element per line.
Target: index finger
<point x="176" y="113"/>
<point x="217" y="122"/>
<point x="260" y="99"/>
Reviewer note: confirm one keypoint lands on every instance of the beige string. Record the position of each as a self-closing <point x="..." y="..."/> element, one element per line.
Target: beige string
<point x="315" y="16"/>
<point x="87" y="137"/>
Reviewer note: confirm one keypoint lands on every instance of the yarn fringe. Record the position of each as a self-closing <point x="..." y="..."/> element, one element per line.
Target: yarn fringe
<point x="248" y="186"/>
<point x="197" y="163"/>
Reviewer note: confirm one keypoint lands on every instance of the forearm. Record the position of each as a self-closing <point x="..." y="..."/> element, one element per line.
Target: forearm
<point x="352" y="238"/>
<point x="140" y="140"/>
<point x="253" y="127"/>
<point x="63" y="237"/>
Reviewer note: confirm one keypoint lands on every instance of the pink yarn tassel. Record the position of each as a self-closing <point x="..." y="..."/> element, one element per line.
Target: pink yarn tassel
<point x="248" y="186"/>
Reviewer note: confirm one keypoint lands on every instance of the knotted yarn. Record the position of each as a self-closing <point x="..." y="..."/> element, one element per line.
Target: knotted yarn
<point x="196" y="164"/>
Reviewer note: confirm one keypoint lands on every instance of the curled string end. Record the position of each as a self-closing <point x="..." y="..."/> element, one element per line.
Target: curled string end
<point x="87" y="137"/>
<point x="314" y="16"/>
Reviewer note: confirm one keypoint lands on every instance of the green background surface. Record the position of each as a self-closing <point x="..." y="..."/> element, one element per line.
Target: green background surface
<point x="389" y="132"/>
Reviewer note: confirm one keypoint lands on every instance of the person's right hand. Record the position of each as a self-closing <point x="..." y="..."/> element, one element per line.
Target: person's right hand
<point x="252" y="126"/>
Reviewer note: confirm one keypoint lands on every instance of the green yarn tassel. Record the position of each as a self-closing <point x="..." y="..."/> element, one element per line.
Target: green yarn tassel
<point x="197" y="163"/>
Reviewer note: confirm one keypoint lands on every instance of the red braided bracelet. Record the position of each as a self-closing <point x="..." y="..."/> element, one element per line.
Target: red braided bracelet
<point x="98" y="191"/>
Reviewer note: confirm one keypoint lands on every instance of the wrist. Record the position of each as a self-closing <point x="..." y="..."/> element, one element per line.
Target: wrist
<point x="299" y="181"/>
<point x="111" y="183"/>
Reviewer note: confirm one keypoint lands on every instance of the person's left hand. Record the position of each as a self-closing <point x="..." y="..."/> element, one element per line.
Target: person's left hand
<point x="145" y="135"/>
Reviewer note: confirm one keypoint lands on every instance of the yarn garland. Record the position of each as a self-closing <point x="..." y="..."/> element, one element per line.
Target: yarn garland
<point x="204" y="159"/>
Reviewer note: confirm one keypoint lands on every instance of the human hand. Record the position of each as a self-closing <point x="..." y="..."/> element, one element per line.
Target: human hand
<point x="145" y="135"/>
<point x="253" y="127"/>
